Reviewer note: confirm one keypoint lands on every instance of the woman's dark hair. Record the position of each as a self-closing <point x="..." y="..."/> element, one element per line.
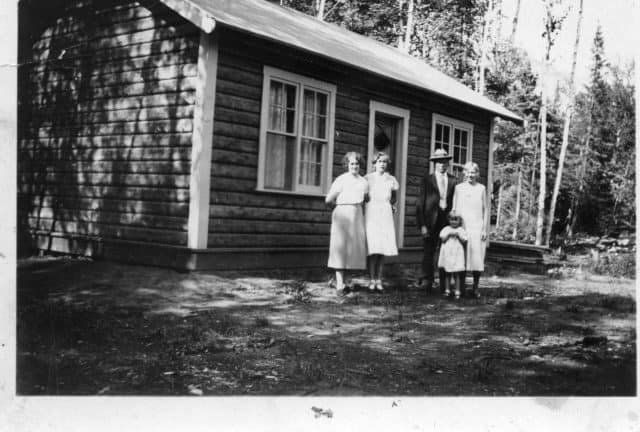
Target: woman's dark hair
<point x="349" y="155"/>
<point x="380" y="155"/>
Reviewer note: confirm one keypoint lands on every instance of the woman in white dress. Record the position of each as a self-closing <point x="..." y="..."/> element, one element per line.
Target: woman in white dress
<point x="347" y="245"/>
<point x="469" y="201"/>
<point x="378" y="216"/>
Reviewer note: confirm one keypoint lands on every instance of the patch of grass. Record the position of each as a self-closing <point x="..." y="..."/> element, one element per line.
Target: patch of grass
<point x="298" y="290"/>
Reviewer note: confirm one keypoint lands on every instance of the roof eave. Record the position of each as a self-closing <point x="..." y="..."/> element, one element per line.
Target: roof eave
<point x="207" y="23"/>
<point x="193" y="13"/>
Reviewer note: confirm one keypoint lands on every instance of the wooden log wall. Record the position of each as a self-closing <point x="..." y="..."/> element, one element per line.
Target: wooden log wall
<point x="242" y="217"/>
<point x="106" y="102"/>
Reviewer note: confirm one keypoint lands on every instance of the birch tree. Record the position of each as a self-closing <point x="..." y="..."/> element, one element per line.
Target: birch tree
<point x="565" y="131"/>
<point x="514" y="26"/>
<point x="320" y="7"/>
<point x="406" y="46"/>
<point x="552" y="23"/>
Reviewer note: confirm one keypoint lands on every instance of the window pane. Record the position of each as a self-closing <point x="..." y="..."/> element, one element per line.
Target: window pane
<point x="463" y="155"/>
<point x="322" y="127"/>
<point x="445" y="134"/>
<point x="312" y="156"/>
<point x="456" y="137"/>
<point x="275" y="118"/>
<point x="275" y="95"/>
<point x="282" y="107"/>
<point x="291" y="96"/>
<point x="279" y="163"/>
<point x="456" y="154"/>
<point x="307" y="125"/>
<point x="321" y="104"/>
<point x="438" y="132"/>
<point x="309" y="101"/>
<point x="314" y="117"/>
<point x="291" y="121"/>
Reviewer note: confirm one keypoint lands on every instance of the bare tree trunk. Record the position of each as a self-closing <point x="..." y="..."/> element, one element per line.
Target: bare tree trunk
<point x="542" y="191"/>
<point x="565" y="131"/>
<point x="498" y="19"/>
<point x="517" y="215"/>
<point x="484" y="47"/>
<point x="532" y="184"/>
<point x="499" y="208"/>
<point x="408" y="32"/>
<point x="320" y="8"/>
<point x="515" y="23"/>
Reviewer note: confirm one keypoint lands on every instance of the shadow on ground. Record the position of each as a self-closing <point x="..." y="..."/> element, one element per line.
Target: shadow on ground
<point x="87" y="328"/>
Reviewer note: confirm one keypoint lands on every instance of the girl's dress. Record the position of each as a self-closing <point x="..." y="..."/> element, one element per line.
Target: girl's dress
<point x="347" y="245"/>
<point x="452" y="258"/>
<point x="379" y="224"/>
<point x="468" y="202"/>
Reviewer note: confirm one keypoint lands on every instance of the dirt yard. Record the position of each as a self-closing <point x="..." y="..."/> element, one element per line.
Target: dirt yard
<point x="99" y="328"/>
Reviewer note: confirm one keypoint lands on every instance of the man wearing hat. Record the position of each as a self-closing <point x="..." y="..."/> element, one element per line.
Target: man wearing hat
<point x="433" y="207"/>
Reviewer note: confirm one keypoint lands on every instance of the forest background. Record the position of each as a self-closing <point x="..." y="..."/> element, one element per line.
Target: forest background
<point x="570" y="171"/>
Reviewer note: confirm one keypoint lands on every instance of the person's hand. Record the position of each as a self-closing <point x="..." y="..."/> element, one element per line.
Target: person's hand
<point x="483" y="237"/>
<point x="424" y="232"/>
<point x="393" y="208"/>
<point x="331" y="204"/>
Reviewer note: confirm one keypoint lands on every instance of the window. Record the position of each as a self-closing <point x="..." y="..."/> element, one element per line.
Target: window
<point x="296" y="134"/>
<point x="455" y="137"/>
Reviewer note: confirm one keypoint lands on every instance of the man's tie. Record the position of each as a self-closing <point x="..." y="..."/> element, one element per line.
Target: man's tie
<point x="442" y="190"/>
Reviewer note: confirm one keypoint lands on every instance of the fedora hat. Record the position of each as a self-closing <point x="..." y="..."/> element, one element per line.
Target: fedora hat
<point x="440" y="154"/>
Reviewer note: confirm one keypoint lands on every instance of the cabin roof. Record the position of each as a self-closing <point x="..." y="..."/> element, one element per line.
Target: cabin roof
<point x="281" y="24"/>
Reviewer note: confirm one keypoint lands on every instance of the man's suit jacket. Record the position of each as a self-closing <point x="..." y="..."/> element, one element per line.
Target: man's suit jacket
<point x="429" y="199"/>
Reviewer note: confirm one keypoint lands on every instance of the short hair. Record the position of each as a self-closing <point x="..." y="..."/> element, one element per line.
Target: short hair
<point x="349" y="155"/>
<point x="454" y="215"/>
<point x="380" y="155"/>
<point x="471" y="166"/>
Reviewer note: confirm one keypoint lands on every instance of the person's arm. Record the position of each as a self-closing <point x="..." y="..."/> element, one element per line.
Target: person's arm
<point x="420" y="208"/>
<point x="462" y="235"/>
<point x="366" y="196"/>
<point x="454" y="205"/>
<point x="485" y="221"/>
<point x="334" y="191"/>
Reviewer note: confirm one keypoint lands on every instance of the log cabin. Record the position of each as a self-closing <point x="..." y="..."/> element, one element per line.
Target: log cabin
<point x="204" y="134"/>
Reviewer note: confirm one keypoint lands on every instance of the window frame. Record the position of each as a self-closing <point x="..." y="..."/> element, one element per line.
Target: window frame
<point x="453" y="124"/>
<point x="301" y="83"/>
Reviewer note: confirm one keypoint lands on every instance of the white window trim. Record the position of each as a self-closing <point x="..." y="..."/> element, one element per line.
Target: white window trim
<point x="399" y="159"/>
<point x="299" y="81"/>
<point x="438" y="118"/>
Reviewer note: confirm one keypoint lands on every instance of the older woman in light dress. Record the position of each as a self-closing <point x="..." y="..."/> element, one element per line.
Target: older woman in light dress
<point x="469" y="201"/>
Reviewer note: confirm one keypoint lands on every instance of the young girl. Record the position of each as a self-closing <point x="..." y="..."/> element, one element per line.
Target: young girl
<point x="347" y="246"/>
<point x="452" y="255"/>
<point x="378" y="215"/>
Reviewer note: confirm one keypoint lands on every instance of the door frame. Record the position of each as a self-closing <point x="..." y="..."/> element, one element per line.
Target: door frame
<point x="399" y="159"/>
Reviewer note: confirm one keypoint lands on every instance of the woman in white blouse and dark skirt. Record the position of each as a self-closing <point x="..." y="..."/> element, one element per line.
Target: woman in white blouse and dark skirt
<point x="347" y="246"/>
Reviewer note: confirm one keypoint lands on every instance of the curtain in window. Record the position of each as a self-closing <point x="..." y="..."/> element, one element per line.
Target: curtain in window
<point x="279" y="161"/>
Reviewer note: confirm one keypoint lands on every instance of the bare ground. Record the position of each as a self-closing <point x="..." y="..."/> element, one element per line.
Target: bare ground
<point x="87" y="328"/>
